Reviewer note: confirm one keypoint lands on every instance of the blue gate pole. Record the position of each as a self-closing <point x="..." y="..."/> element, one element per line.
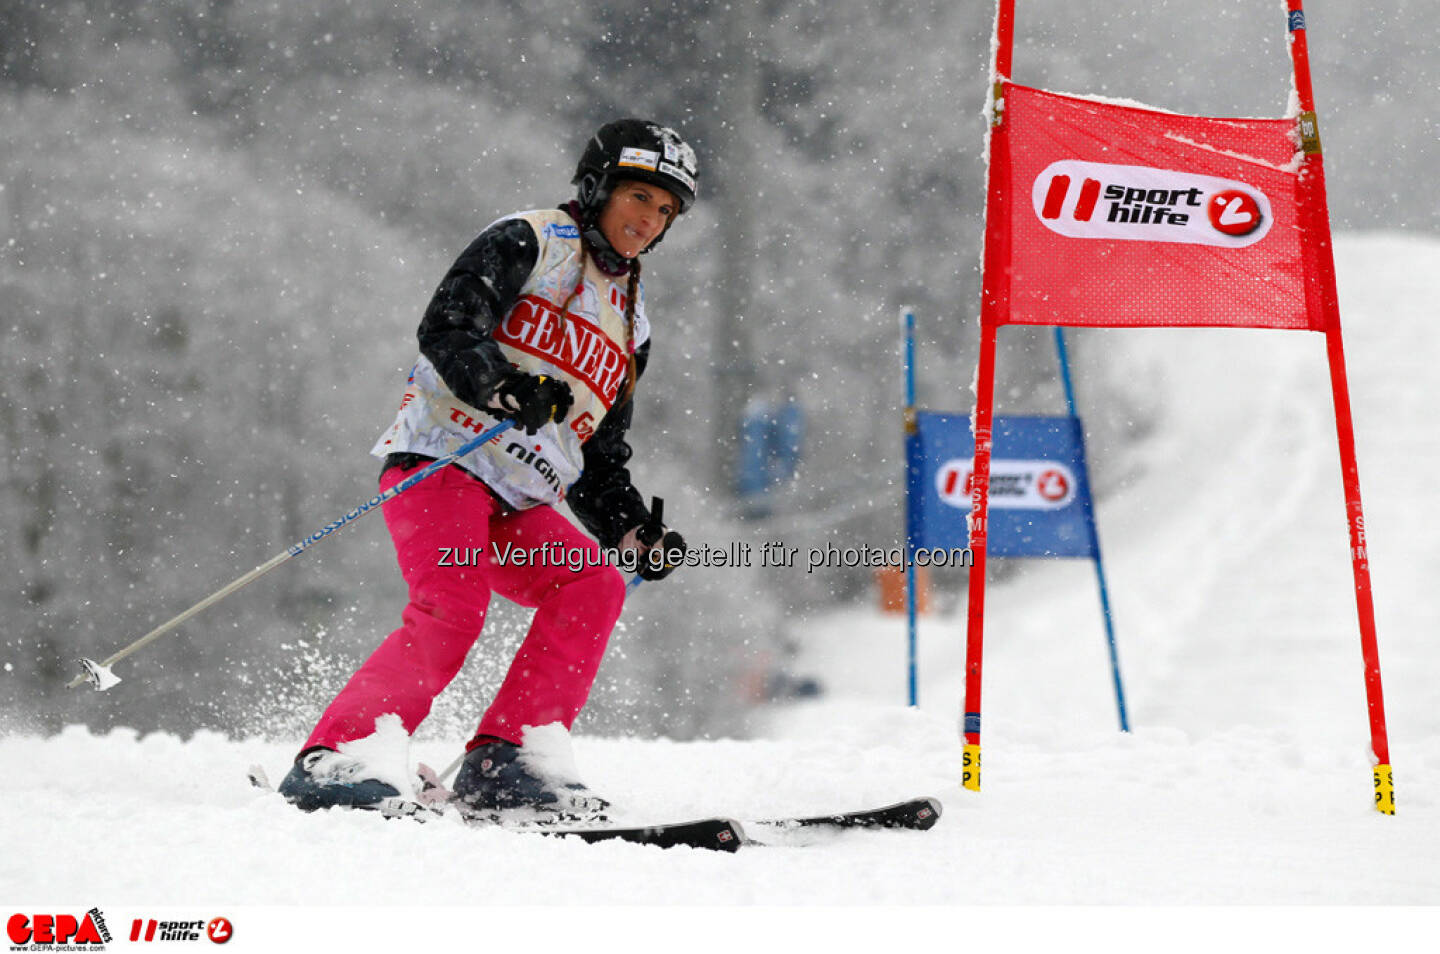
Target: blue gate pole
<point x="1094" y="534"/>
<point x="912" y="516"/>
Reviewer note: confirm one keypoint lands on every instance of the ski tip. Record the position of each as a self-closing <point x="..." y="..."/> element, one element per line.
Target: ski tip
<point x="724" y="834"/>
<point x="927" y="812"/>
<point x="711" y="834"/>
<point x="735" y="838"/>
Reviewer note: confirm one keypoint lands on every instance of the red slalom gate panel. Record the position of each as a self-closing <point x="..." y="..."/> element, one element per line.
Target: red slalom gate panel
<point x="1119" y="216"/>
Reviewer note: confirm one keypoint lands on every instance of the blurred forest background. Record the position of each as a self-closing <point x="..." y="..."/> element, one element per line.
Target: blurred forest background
<point x="220" y="221"/>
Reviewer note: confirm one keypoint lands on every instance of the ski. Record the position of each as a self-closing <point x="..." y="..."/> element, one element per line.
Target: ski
<point x="919" y="814"/>
<point x="722" y="834"/>
<point x="914" y="814"/>
<point x="715" y="834"/>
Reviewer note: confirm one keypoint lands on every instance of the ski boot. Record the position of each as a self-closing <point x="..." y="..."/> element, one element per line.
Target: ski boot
<point x="498" y="783"/>
<point x="324" y="778"/>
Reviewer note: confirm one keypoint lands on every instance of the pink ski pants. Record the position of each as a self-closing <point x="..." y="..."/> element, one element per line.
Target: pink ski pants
<point x="451" y="518"/>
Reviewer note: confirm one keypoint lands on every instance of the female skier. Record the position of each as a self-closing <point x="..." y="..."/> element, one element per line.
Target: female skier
<point x="541" y="321"/>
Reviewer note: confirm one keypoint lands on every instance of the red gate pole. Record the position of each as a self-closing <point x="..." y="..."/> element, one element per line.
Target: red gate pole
<point x="1004" y="39"/>
<point x="1324" y="302"/>
<point x="979" y="511"/>
<point x="994" y="310"/>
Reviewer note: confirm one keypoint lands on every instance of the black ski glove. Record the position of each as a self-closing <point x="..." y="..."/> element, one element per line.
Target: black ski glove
<point x="532" y="400"/>
<point x="658" y="550"/>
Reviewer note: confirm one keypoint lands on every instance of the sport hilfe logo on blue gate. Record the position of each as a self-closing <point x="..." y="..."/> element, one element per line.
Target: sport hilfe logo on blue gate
<point x="1014" y="484"/>
<point x="1039" y="501"/>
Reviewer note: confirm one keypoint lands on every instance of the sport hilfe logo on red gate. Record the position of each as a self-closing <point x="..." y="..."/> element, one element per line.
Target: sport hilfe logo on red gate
<point x="1096" y="200"/>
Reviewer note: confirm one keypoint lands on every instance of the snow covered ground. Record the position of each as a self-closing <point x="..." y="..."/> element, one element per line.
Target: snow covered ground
<point x="1246" y="781"/>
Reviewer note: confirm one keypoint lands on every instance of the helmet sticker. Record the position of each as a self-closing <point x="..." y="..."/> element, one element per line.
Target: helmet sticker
<point x="639" y="158"/>
<point x="677" y="150"/>
<point x="679" y="174"/>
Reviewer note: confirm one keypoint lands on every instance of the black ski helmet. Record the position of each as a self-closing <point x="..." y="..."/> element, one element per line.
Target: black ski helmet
<point x="639" y="150"/>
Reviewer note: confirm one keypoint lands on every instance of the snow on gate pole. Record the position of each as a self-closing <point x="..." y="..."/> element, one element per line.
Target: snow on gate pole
<point x="1322" y="285"/>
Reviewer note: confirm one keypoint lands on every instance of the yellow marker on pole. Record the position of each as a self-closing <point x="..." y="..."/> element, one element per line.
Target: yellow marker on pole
<point x="970" y="761"/>
<point x="1384" y="790"/>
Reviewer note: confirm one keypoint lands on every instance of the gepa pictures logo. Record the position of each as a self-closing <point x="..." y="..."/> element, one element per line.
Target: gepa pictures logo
<point x="1096" y="200"/>
<point x="58" y="932"/>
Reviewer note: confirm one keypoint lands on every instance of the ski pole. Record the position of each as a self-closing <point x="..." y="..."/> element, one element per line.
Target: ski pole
<point x="99" y="674"/>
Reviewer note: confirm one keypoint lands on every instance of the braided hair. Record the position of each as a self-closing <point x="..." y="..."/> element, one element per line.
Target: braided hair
<point x="632" y="290"/>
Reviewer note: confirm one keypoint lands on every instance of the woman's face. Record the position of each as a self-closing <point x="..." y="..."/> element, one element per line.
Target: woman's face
<point x="635" y="215"/>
